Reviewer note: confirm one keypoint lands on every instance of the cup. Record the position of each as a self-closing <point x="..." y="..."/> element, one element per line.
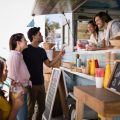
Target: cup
<point x="99" y="82"/>
<point x="99" y="72"/>
<point x="113" y="56"/>
<point x="107" y="56"/>
<point x="16" y="89"/>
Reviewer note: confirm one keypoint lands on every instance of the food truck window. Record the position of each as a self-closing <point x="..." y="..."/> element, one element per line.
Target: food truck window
<point x="82" y="32"/>
<point x="66" y="34"/>
<point x="53" y="29"/>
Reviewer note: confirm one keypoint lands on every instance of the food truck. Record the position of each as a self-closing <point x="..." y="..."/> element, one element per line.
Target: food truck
<point x="71" y="19"/>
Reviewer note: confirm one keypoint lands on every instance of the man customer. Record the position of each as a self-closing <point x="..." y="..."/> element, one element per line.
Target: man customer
<point x="34" y="57"/>
<point x="111" y="27"/>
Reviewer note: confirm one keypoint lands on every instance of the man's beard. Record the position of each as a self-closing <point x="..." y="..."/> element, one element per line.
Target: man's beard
<point x="41" y="39"/>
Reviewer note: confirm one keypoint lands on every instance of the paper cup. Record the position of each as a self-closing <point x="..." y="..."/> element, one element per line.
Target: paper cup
<point x="107" y="56"/>
<point x="99" y="82"/>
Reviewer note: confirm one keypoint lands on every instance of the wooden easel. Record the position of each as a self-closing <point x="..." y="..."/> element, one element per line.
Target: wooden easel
<point x="56" y="83"/>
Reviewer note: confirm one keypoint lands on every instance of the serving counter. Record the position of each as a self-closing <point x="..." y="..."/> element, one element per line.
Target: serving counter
<point x="80" y="79"/>
<point x="100" y="100"/>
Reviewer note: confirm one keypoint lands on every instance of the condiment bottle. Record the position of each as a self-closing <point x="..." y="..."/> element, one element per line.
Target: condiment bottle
<point x="92" y="67"/>
<point x="78" y="60"/>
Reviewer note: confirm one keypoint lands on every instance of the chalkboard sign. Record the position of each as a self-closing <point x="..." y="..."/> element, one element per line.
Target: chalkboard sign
<point x="54" y="84"/>
<point x="114" y="84"/>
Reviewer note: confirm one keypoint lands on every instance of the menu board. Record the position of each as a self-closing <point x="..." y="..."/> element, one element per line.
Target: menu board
<point x="114" y="83"/>
<point x="51" y="94"/>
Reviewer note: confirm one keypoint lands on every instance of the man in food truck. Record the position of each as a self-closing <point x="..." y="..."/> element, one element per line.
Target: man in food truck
<point x="111" y="26"/>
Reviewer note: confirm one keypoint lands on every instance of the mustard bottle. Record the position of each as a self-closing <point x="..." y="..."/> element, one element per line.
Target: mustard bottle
<point x="92" y="67"/>
<point x="107" y="75"/>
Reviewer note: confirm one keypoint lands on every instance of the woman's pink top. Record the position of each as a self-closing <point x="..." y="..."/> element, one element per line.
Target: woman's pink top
<point x="17" y="69"/>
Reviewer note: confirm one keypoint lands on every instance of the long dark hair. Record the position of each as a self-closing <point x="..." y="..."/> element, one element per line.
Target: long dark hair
<point x="103" y="16"/>
<point x="13" y="40"/>
<point x="93" y="24"/>
<point x="2" y="62"/>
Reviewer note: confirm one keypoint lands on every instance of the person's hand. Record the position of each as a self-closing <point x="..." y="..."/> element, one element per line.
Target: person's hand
<point x="62" y="51"/>
<point x="91" y="47"/>
<point x="103" y="43"/>
<point x="17" y="99"/>
<point x="17" y="102"/>
<point x="17" y="95"/>
<point x="17" y="87"/>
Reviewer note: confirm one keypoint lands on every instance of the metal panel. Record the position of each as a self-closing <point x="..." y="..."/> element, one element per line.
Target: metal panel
<point x="55" y="6"/>
<point x="76" y="6"/>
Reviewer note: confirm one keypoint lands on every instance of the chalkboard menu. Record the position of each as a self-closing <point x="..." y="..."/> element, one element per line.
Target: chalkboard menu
<point x="114" y="83"/>
<point x="52" y="90"/>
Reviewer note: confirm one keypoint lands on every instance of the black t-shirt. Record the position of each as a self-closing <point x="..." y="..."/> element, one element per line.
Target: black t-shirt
<point x="34" y="58"/>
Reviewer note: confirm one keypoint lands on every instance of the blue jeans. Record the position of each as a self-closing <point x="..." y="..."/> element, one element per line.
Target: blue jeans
<point x="23" y="112"/>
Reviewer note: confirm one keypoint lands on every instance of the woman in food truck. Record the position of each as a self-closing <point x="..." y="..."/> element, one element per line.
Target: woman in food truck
<point x="97" y="37"/>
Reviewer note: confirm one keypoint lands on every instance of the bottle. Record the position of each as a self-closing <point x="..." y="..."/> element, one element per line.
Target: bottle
<point x="88" y="66"/>
<point x="96" y="63"/>
<point x="78" y="60"/>
<point x="107" y="75"/>
<point x="103" y="43"/>
<point x="92" y="67"/>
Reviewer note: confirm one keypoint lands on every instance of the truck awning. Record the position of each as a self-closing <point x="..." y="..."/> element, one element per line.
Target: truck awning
<point x="42" y="7"/>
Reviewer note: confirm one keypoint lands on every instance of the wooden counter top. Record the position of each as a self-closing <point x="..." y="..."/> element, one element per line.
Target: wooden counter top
<point x="99" y="99"/>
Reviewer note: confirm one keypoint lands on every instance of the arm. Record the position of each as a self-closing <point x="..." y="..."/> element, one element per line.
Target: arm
<point x="17" y="102"/>
<point x="13" y="113"/>
<point x="51" y="63"/>
<point x="115" y="28"/>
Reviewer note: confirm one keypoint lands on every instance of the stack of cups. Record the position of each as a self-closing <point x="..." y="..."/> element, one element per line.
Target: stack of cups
<point x="107" y="57"/>
<point x="99" y="77"/>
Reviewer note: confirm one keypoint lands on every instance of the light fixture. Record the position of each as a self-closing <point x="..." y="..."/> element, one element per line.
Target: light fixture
<point x="32" y="22"/>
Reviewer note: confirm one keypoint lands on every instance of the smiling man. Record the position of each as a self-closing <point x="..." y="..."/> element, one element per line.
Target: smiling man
<point x="111" y="27"/>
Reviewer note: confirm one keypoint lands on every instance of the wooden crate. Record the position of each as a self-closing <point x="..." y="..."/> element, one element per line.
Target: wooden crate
<point x="51" y="55"/>
<point x="68" y="65"/>
<point x="46" y="80"/>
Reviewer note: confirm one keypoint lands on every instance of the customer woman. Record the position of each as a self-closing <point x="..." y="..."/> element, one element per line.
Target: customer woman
<point x="8" y="111"/>
<point x="17" y="69"/>
<point x="97" y="37"/>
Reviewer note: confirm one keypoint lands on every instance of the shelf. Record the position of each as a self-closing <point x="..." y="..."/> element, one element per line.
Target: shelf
<point x="79" y="74"/>
<point x="83" y="51"/>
